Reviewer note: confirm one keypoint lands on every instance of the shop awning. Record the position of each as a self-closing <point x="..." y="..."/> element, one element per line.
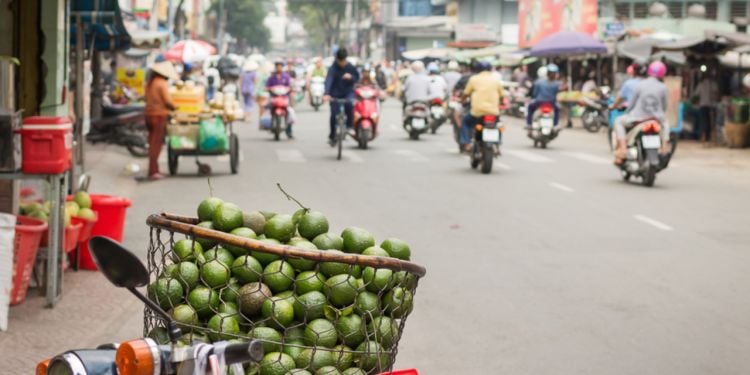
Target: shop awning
<point x="148" y="39"/>
<point x="711" y="44"/>
<point x="639" y="49"/>
<point x="492" y="51"/>
<point x="102" y="24"/>
<point x="429" y="53"/>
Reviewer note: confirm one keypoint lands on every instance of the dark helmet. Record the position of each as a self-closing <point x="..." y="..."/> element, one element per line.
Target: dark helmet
<point x="484" y="66"/>
<point x="341" y="54"/>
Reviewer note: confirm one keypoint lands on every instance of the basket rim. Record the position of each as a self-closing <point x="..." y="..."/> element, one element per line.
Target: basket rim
<point x="187" y="226"/>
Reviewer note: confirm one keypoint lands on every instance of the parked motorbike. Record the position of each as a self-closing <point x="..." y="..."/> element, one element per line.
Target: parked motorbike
<point x="517" y="106"/>
<point x="486" y="143"/>
<point x="643" y="157"/>
<point x="144" y="356"/>
<point x="279" y="109"/>
<point x="317" y="91"/>
<point x="123" y="125"/>
<point x="437" y="114"/>
<point x="416" y="116"/>
<point x="595" y="113"/>
<point x="543" y="129"/>
<point x="366" y="115"/>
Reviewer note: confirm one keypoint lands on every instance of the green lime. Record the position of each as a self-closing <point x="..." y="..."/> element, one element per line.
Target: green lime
<point x="367" y="305"/>
<point x="328" y="370"/>
<point x="298" y="215"/>
<point x="351" y="329"/>
<point x="329" y="241"/>
<point x="309" y="306"/>
<point x="278" y="275"/>
<point x="215" y="273"/>
<point x="219" y="253"/>
<point x="254" y="220"/>
<point x="270" y="338"/>
<point x="160" y="335"/>
<point x="230" y="292"/>
<point x="206" y="243"/>
<point x="356" y="240"/>
<point x="293" y="348"/>
<point x="186" y="249"/>
<point x="405" y="280"/>
<point x="204" y="300"/>
<point x="223" y="326"/>
<point x="247" y="269"/>
<point x="384" y="330"/>
<point x="332" y="268"/>
<point x="227" y="217"/>
<point x="244" y="233"/>
<point x="276" y="363"/>
<point x="295" y="333"/>
<point x="83" y="199"/>
<point x="343" y="357"/>
<point x="267" y="214"/>
<point x="279" y="312"/>
<point x="398" y="303"/>
<point x="229" y="308"/>
<point x="295" y="240"/>
<point x="341" y="290"/>
<point x="298" y="371"/>
<point x="370" y="356"/>
<point x="309" y="281"/>
<point x="321" y="332"/>
<point x="287" y="295"/>
<point x="315" y="358"/>
<point x="263" y="257"/>
<point x="251" y="298"/>
<point x="207" y="208"/>
<point x="194" y="337"/>
<point x="377" y="279"/>
<point x="187" y="273"/>
<point x="166" y="291"/>
<point x="185" y="316"/>
<point x="312" y="224"/>
<point x="354" y="371"/>
<point x="376" y="251"/>
<point x="397" y="248"/>
<point x="302" y="264"/>
<point x="280" y="227"/>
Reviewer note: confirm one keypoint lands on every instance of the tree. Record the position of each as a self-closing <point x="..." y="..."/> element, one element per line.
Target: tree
<point x="324" y="19"/>
<point x="244" y="20"/>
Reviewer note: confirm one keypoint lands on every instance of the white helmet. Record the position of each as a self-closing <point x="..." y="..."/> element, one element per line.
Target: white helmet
<point x="541" y="72"/>
<point x="417" y="66"/>
<point x="452" y="65"/>
<point x="746" y="81"/>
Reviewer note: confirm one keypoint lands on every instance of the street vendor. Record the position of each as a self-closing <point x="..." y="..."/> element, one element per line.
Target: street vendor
<point x="158" y="106"/>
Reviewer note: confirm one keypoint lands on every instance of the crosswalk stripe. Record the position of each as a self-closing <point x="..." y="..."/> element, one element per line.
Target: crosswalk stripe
<point x="290" y="156"/>
<point x="352" y="157"/>
<point x="411" y="155"/>
<point x="588" y="157"/>
<point x="528" y="156"/>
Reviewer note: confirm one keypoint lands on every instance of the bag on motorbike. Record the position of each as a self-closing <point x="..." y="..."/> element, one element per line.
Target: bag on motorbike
<point x="212" y="136"/>
<point x="265" y="122"/>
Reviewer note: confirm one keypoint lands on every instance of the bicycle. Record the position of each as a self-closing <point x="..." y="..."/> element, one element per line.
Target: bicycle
<point x="340" y="124"/>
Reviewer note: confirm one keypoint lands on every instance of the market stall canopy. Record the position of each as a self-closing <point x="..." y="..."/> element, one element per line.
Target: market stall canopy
<point x="189" y="51"/>
<point x="639" y="49"/>
<point x="567" y="43"/>
<point x="102" y="25"/>
<point x="735" y="59"/>
<point x="148" y="38"/>
<point x="493" y="51"/>
<point x="429" y="53"/>
<point x="711" y="44"/>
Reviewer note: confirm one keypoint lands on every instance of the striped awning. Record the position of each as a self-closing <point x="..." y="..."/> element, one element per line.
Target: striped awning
<point x="102" y="24"/>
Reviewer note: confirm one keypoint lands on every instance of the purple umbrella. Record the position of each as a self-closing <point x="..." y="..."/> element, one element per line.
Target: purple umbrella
<point x="567" y="43"/>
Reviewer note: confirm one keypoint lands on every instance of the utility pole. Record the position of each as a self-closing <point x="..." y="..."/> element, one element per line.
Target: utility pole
<point x="220" y="28"/>
<point x="356" y="27"/>
<point x="348" y="12"/>
<point x="170" y="21"/>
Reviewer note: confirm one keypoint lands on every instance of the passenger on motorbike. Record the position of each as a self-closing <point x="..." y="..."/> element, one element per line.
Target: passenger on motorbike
<point x="544" y="91"/>
<point x="468" y="71"/>
<point x="438" y="86"/>
<point x="649" y="101"/>
<point x="635" y="73"/>
<point x="340" y="81"/>
<point x="281" y="78"/>
<point x="485" y="92"/>
<point x="417" y="86"/>
<point x="452" y="76"/>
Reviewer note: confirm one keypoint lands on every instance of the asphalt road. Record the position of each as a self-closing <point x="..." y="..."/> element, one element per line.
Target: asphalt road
<point x="549" y="265"/>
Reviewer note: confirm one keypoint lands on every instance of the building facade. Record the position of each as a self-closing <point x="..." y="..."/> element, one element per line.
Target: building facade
<point x="414" y="24"/>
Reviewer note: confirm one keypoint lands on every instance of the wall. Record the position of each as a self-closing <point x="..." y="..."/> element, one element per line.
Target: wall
<point x="496" y="14"/>
<point x="54" y="25"/>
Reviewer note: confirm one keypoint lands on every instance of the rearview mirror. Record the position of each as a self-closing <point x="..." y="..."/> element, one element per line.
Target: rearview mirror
<point x="118" y="264"/>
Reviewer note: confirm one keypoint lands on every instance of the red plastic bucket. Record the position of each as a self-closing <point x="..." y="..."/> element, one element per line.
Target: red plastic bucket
<point x="72" y="235"/>
<point x="88" y="226"/>
<point x="111" y="212"/>
<point x="28" y="234"/>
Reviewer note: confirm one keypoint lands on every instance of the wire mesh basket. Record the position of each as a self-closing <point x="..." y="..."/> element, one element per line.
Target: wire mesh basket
<point x="323" y="311"/>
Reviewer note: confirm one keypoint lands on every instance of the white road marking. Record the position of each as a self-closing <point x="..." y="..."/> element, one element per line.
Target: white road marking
<point x="589" y="157"/>
<point x="653" y="222"/>
<point x="411" y="155"/>
<point x="352" y="157"/>
<point x="290" y="156"/>
<point x="562" y="187"/>
<point x="528" y="156"/>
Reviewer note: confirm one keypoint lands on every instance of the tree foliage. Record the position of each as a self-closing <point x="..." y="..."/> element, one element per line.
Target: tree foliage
<point x="324" y="19"/>
<point x="244" y="21"/>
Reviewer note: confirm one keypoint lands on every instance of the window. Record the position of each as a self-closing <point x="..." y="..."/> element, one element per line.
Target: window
<point x="421" y="8"/>
<point x="675" y="9"/>
<point x="711" y="10"/>
<point x="622" y="10"/>
<point x="737" y="9"/>
<point x="640" y="10"/>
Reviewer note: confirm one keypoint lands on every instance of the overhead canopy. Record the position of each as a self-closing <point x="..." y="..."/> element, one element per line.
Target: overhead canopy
<point x="493" y="51"/>
<point x="148" y="38"/>
<point x="639" y="49"/>
<point x="102" y="24"/>
<point x="711" y="44"/>
<point x="567" y="43"/>
<point x="429" y="53"/>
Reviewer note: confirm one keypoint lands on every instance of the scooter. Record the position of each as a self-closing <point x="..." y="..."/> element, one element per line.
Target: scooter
<point x="643" y="157"/>
<point x="517" y="107"/>
<point x="486" y="145"/>
<point x="416" y="117"/>
<point x="299" y="89"/>
<point x="595" y="113"/>
<point x="317" y="91"/>
<point x="279" y="109"/>
<point x="123" y="125"/>
<point x="543" y="129"/>
<point x="366" y="115"/>
<point x="437" y="114"/>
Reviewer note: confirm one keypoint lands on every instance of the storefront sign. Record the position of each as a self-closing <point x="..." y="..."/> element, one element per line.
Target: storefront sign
<point x="475" y="32"/>
<point x="614" y="29"/>
<point x="539" y="18"/>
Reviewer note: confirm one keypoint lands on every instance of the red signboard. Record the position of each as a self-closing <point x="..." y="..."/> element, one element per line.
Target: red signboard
<point x="539" y="18"/>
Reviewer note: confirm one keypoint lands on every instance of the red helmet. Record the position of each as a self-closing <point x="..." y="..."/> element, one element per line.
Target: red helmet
<point x="657" y="69"/>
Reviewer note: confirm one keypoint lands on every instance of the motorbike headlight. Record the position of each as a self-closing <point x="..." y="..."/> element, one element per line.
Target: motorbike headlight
<point x="83" y="362"/>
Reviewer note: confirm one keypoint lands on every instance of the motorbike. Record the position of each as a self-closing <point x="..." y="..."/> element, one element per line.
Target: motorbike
<point x="455" y="106"/>
<point x="123" y="125"/>
<point x="643" y="158"/>
<point x="366" y="115"/>
<point x="437" y="114"/>
<point x="279" y="109"/>
<point x="543" y="129"/>
<point x="517" y="105"/>
<point x="486" y="143"/>
<point x="595" y="113"/>
<point x="298" y="87"/>
<point x="317" y="91"/>
<point x="416" y="117"/>
<point x="145" y="356"/>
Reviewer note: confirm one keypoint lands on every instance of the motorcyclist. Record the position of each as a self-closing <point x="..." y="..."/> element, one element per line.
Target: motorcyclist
<point x="366" y="80"/>
<point x="340" y="81"/>
<point x="281" y="78"/>
<point x="318" y="70"/>
<point x="417" y="86"/>
<point x="452" y="76"/>
<point x="458" y="89"/>
<point x="485" y="92"/>
<point x="544" y="91"/>
<point x="635" y="73"/>
<point x="438" y="86"/>
<point x="649" y="101"/>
